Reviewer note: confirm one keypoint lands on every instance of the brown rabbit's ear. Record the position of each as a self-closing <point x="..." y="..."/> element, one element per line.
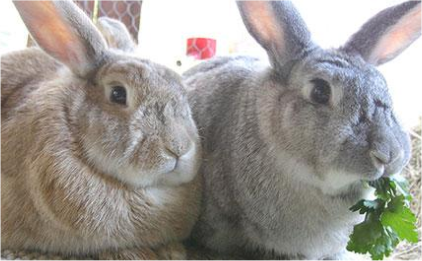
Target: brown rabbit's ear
<point x="278" y="27"/>
<point x="116" y="34"/>
<point x="387" y="34"/>
<point x="62" y="30"/>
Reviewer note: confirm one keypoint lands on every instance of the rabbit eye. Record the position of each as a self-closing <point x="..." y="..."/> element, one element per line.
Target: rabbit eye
<point x="321" y="92"/>
<point x="118" y="95"/>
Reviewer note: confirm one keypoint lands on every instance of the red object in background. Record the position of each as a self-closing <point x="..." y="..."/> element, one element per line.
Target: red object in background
<point x="201" y="48"/>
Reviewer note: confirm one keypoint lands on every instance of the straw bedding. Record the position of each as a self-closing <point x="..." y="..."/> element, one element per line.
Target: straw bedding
<point x="413" y="173"/>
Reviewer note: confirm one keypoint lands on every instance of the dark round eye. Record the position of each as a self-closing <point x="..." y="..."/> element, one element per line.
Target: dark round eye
<point x="118" y="95"/>
<point x="321" y="92"/>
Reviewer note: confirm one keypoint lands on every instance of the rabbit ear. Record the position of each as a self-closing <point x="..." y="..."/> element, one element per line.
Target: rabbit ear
<point x="116" y="34"/>
<point x="62" y="30"/>
<point x="387" y="34"/>
<point x="278" y="27"/>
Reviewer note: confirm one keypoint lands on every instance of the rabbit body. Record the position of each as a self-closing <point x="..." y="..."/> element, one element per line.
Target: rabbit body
<point x="288" y="145"/>
<point x="52" y="199"/>
<point x="83" y="174"/>
<point x="255" y="196"/>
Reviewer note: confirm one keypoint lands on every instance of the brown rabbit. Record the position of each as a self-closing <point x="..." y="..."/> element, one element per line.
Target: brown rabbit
<point x="99" y="149"/>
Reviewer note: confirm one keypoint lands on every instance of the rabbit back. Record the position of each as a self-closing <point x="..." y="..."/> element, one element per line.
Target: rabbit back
<point x="21" y="68"/>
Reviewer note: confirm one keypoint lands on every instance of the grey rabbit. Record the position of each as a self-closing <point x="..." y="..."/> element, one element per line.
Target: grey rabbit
<point x="288" y="146"/>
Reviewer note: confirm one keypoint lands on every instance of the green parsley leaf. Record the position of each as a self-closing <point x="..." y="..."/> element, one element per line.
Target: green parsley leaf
<point x="388" y="219"/>
<point x="399" y="217"/>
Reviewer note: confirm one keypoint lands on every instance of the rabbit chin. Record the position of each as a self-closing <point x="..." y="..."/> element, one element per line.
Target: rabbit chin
<point x="171" y="173"/>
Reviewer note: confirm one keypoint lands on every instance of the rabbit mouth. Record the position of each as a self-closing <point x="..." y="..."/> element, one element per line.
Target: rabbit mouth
<point x="391" y="170"/>
<point x="183" y="169"/>
<point x="393" y="167"/>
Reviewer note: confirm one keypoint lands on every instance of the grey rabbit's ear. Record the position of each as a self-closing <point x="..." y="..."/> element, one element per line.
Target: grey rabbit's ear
<point x="62" y="30"/>
<point x="387" y="34"/>
<point x="279" y="28"/>
<point x="116" y="34"/>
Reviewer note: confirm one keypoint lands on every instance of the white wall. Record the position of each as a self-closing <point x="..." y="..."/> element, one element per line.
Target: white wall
<point x="13" y="34"/>
<point x="165" y="26"/>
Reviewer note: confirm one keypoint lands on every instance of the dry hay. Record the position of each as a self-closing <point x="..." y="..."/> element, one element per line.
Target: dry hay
<point x="413" y="173"/>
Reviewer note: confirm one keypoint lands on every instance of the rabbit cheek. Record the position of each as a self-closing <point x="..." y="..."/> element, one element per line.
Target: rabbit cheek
<point x="305" y="143"/>
<point x="352" y="157"/>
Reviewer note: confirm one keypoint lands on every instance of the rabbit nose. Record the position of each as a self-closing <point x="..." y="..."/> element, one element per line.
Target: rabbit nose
<point x="172" y="152"/>
<point x="382" y="159"/>
<point x="385" y="149"/>
<point x="178" y="151"/>
<point x="379" y="158"/>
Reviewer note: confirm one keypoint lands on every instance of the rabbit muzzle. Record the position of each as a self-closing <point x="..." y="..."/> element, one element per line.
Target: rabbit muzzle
<point x="179" y="155"/>
<point x="183" y="164"/>
<point x="390" y="150"/>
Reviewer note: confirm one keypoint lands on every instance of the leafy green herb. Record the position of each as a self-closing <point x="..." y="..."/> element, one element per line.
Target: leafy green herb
<point x="388" y="219"/>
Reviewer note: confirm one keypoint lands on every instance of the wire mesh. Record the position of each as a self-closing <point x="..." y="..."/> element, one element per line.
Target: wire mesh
<point x="128" y="12"/>
<point x="87" y="6"/>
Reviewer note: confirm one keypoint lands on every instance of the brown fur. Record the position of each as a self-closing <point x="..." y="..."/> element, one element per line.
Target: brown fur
<point x="61" y="191"/>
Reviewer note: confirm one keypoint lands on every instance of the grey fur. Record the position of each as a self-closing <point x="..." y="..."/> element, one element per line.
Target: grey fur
<point x="116" y="34"/>
<point x="281" y="171"/>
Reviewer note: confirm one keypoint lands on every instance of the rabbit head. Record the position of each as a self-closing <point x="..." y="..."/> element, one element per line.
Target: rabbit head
<point x="116" y="34"/>
<point x="332" y="108"/>
<point x="129" y="117"/>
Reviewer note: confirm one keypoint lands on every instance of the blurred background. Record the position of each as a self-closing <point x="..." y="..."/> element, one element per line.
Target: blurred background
<point x="162" y="29"/>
